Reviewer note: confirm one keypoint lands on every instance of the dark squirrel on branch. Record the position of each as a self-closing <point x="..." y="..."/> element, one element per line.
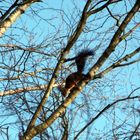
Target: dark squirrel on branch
<point x="73" y="79"/>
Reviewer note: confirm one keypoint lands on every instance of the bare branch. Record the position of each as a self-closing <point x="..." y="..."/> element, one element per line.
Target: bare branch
<point x="31" y="130"/>
<point x="118" y="63"/>
<point x="130" y="32"/>
<point x="135" y="131"/>
<point x="71" y="41"/>
<point x="102" y="111"/>
<point x="115" y="40"/>
<point x="25" y="89"/>
<point x="14" y="47"/>
<point x="14" y="15"/>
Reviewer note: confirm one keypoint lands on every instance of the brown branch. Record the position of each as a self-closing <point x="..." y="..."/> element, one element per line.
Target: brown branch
<point x="17" y="47"/>
<point x="25" y="89"/>
<point x="129" y="63"/>
<point x="102" y="111"/>
<point x="65" y="127"/>
<point x="71" y="41"/>
<point x="58" y="112"/>
<point x="115" y="40"/>
<point x="34" y="130"/>
<point x="118" y="63"/>
<point x="114" y="17"/>
<point x="14" y="15"/>
<point x="24" y="74"/>
<point x="135" y="131"/>
<point x="9" y="10"/>
<point x="92" y="10"/>
<point x="130" y="31"/>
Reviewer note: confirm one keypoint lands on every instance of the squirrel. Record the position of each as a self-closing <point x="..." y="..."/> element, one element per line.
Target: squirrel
<point x="74" y="78"/>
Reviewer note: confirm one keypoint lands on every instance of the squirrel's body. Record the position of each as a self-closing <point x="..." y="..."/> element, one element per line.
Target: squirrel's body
<point x="73" y="79"/>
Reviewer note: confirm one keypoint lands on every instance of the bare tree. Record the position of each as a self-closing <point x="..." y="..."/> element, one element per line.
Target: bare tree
<point x="37" y="39"/>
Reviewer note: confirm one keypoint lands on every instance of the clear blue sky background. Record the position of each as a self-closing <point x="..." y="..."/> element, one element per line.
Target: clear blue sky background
<point x="125" y="80"/>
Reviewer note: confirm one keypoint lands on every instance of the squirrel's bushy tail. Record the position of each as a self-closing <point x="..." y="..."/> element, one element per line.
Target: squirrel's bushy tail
<point x="81" y="59"/>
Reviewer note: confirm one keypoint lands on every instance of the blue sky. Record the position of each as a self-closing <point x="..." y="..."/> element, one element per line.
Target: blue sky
<point x="118" y="83"/>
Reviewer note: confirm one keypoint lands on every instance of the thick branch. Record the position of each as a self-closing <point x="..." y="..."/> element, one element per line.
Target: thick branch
<point x="9" y="10"/>
<point x="58" y="112"/>
<point x="25" y="89"/>
<point x="34" y="130"/>
<point x="71" y="41"/>
<point x="14" y="15"/>
<point x="118" y="63"/>
<point x="129" y="32"/>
